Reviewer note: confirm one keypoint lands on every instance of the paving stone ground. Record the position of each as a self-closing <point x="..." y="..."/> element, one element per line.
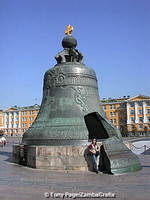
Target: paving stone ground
<point x="23" y="183"/>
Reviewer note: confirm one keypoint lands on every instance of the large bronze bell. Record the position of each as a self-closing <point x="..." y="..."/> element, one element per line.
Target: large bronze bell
<point x="70" y="112"/>
<point x="70" y="91"/>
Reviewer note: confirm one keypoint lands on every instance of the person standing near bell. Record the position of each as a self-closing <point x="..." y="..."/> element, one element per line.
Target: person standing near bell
<point x="94" y="151"/>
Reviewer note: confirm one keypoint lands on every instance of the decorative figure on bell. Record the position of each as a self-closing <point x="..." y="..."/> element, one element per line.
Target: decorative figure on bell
<point x="69" y="54"/>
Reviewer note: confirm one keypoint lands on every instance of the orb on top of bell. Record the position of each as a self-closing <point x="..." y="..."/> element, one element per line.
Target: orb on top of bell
<point x="69" y="41"/>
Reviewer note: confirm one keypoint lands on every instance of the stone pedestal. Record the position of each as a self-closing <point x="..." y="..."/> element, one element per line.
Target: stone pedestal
<point x="52" y="157"/>
<point x="77" y="157"/>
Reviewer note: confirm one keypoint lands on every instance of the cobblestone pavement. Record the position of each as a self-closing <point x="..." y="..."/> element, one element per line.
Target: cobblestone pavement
<point x="22" y="183"/>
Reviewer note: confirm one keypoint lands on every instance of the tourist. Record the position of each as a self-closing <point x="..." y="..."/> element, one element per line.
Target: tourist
<point x="3" y="140"/>
<point x="94" y="151"/>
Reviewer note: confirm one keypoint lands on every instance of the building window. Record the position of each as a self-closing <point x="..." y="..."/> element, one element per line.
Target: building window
<point x="31" y="112"/>
<point x="17" y="125"/>
<point x="131" y="112"/>
<point x="112" y="113"/>
<point x="132" y="119"/>
<point x="140" y="119"/>
<point x="133" y="127"/>
<point x="12" y="113"/>
<point x="140" y="112"/>
<point x="23" y="118"/>
<point x="140" y="126"/>
<point x="111" y="107"/>
<point x="23" y="113"/>
<point x="140" y="103"/>
<point x="114" y="121"/>
<point x="23" y="125"/>
<point x="7" y="126"/>
<point x="131" y="104"/>
<point x="148" y="111"/>
<point x="104" y="107"/>
<point x="123" y="105"/>
<point x="111" y="120"/>
<point x="148" y="118"/>
<point x="12" y="126"/>
<point x="148" y="103"/>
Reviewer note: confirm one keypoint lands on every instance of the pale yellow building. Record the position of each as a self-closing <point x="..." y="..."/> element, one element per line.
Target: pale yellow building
<point x="1" y="119"/>
<point x="18" y="119"/>
<point x="138" y="114"/>
<point x="1" y="122"/>
<point x="115" y="110"/>
<point x="130" y="115"/>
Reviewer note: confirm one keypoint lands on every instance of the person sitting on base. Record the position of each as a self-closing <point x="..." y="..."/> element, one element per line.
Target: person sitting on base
<point x="94" y="151"/>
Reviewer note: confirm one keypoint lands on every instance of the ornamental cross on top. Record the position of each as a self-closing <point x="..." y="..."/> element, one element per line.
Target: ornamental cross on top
<point x="69" y="30"/>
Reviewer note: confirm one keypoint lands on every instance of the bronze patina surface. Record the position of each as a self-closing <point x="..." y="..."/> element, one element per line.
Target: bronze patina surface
<point x="121" y="159"/>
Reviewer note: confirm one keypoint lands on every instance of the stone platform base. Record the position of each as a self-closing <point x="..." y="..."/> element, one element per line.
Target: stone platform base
<point x="117" y="158"/>
<point x="52" y="157"/>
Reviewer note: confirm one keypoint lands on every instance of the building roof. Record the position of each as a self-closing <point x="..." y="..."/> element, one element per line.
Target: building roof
<point x="24" y="108"/>
<point x="112" y="102"/>
<point x="125" y="99"/>
<point x="139" y="97"/>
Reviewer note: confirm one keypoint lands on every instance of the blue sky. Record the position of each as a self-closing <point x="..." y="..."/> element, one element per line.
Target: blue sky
<point x="113" y="35"/>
